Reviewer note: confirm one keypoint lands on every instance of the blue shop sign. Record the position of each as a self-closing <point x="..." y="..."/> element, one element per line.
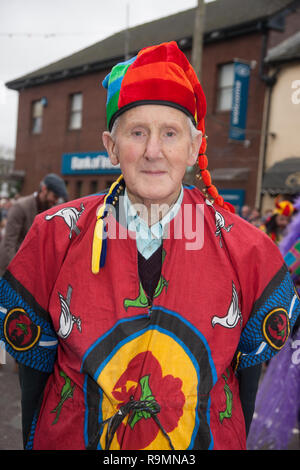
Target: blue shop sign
<point x="84" y="163"/>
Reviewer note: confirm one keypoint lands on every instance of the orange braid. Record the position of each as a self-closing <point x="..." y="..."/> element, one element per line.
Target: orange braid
<point x="210" y="189"/>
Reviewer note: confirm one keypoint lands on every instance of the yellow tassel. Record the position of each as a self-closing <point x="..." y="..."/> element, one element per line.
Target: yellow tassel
<point x="98" y="231"/>
<point x="113" y="187"/>
<point x="97" y="246"/>
<point x="101" y="211"/>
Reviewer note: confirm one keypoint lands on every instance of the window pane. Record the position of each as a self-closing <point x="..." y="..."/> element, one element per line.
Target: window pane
<point x="78" y="188"/>
<point x="93" y="186"/>
<point x="76" y="104"/>
<point x="36" y="117"/>
<point x="37" y="109"/>
<point x="75" y="111"/>
<point x="225" y="99"/>
<point x="75" y="120"/>
<point x="226" y="76"/>
<point x="37" y="126"/>
<point x="225" y="85"/>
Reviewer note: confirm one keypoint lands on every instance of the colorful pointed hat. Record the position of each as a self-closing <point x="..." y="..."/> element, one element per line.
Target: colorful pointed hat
<point x="157" y="75"/>
<point x="283" y="208"/>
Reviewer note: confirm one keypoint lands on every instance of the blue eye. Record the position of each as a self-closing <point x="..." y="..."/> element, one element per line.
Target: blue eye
<point x="137" y="133"/>
<point x="170" y="134"/>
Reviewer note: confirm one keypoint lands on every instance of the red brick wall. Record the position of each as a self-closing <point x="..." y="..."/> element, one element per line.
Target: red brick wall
<point x="221" y="153"/>
<point x="40" y="154"/>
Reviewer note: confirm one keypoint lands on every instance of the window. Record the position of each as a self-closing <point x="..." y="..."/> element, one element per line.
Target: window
<point x="225" y="85"/>
<point x="37" y="117"/>
<point x="75" y="111"/>
<point x="93" y="186"/>
<point x="108" y="183"/>
<point x="78" y="189"/>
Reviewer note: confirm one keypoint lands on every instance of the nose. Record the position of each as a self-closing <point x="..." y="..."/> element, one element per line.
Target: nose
<point x="153" y="147"/>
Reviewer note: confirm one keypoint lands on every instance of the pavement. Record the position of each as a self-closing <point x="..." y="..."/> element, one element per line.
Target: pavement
<point x="10" y="406"/>
<point x="10" y="410"/>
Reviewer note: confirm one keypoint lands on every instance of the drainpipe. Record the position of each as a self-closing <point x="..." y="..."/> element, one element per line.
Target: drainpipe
<point x="269" y="81"/>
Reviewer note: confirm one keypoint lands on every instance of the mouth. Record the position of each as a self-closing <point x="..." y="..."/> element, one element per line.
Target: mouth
<point x="154" y="172"/>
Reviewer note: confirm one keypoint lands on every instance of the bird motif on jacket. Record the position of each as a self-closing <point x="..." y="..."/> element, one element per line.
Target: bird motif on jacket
<point x="67" y="319"/>
<point x="233" y="314"/>
<point x="219" y="221"/>
<point x="70" y="216"/>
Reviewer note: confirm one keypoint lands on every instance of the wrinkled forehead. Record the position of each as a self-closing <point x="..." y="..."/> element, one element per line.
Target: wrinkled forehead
<point x="154" y="115"/>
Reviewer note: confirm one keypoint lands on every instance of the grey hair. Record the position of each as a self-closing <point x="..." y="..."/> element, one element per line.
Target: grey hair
<point x="193" y="130"/>
<point x="114" y="128"/>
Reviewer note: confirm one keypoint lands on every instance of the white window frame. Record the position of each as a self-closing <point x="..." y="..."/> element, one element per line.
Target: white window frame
<point x="225" y="87"/>
<point x="75" y="117"/>
<point x="37" y="117"/>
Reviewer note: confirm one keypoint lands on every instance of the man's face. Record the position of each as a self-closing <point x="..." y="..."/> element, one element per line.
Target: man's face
<point x="153" y="145"/>
<point x="245" y="211"/>
<point x="282" y="221"/>
<point x="47" y="198"/>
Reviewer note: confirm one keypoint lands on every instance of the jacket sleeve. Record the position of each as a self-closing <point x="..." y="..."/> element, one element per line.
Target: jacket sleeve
<point x="269" y="301"/>
<point x="25" y="288"/>
<point x="272" y="318"/>
<point x="248" y="385"/>
<point x="32" y="384"/>
<point x="12" y="236"/>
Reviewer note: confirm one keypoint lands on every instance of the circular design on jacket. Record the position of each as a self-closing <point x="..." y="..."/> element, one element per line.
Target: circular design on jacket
<point x="167" y="383"/>
<point x="19" y="330"/>
<point x="276" y="328"/>
<point x="132" y="362"/>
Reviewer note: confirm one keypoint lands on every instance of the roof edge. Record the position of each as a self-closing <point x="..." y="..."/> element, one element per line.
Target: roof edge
<point x="256" y="25"/>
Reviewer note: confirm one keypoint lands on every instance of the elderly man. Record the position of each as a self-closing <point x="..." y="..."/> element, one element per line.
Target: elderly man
<point x="144" y="305"/>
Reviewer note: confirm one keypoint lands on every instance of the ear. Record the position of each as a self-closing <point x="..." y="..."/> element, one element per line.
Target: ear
<point x="195" y="146"/>
<point x="110" y="146"/>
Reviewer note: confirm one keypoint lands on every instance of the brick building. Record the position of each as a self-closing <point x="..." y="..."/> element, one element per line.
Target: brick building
<point x="282" y="156"/>
<point x="62" y="106"/>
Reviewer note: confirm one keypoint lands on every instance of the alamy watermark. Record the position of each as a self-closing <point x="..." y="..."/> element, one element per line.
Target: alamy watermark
<point x="296" y="354"/>
<point x="188" y="223"/>
<point x="296" y="94"/>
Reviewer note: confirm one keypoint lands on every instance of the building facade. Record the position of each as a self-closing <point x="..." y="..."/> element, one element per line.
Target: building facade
<point x="62" y="106"/>
<point x="282" y="156"/>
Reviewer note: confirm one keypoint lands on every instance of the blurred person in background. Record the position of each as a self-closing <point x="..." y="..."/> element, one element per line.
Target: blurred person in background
<point x="245" y="212"/>
<point x="255" y="218"/>
<point x="276" y="224"/>
<point x="266" y="215"/>
<point x="5" y="204"/>
<point x="277" y="408"/>
<point x="22" y="212"/>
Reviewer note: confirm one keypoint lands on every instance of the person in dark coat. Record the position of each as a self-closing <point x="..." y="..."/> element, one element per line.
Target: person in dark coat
<point x="21" y="215"/>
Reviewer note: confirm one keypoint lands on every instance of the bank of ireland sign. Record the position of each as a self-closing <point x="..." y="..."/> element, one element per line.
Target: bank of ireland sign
<point x="85" y="163"/>
<point x="239" y="101"/>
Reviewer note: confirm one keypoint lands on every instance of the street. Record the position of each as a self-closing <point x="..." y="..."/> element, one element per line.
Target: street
<point x="10" y="410"/>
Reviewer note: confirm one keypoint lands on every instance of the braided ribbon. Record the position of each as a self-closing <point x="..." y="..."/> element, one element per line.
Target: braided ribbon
<point x="210" y="190"/>
<point x="100" y="240"/>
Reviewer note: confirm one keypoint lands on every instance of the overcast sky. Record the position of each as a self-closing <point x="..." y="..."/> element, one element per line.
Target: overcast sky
<point x="34" y="33"/>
